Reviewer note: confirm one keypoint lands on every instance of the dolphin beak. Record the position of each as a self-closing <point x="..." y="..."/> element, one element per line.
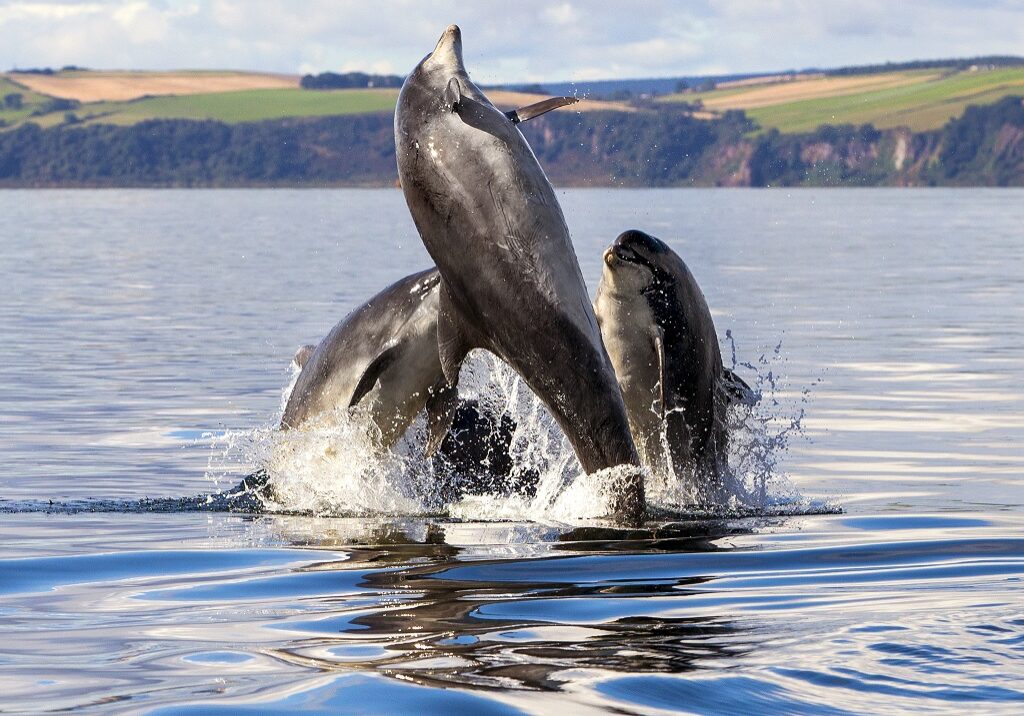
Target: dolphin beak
<point x="448" y="51"/>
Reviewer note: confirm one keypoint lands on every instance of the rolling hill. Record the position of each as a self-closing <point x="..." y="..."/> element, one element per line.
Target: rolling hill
<point x="918" y="99"/>
<point x="91" y="86"/>
<point x="927" y="123"/>
<point x="125" y="98"/>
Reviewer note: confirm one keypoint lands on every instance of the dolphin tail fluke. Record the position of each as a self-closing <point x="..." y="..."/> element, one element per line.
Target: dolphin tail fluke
<point x="441" y="407"/>
<point x="737" y="390"/>
<point x="536" y="109"/>
<point x="452" y="342"/>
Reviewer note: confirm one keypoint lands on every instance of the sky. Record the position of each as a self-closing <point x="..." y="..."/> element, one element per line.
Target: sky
<point x="505" y="41"/>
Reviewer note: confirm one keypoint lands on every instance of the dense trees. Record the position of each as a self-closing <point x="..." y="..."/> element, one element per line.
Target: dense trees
<point x="349" y="80"/>
<point x="832" y="155"/>
<point x="947" y="64"/>
<point x="55" y="104"/>
<point x="662" y="146"/>
<point x="984" y="146"/>
<point x="189" y="153"/>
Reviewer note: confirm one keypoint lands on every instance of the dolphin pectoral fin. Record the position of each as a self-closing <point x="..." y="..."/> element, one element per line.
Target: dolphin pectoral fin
<point x="441" y="406"/>
<point x="452" y="94"/>
<point x="372" y="373"/>
<point x="659" y="349"/>
<point x="452" y="344"/>
<point x="524" y="114"/>
<point x="737" y="390"/>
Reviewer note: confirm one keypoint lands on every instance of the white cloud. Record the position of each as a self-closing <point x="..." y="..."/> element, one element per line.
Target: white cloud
<point x="528" y="40"/>
<point x="561" y="14"/>
<point x="15" y="11"/>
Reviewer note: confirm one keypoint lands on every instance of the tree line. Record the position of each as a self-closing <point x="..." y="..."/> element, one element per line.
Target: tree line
<point x="349" y="80"/>
<point x="661" y="146"/>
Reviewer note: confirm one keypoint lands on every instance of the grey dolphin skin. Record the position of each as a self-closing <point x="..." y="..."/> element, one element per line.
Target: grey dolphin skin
<point x="383" y="353"/>
<point x="659" y="333"/>
<point x="302" y="355"/>
<point x="510" y="281"/>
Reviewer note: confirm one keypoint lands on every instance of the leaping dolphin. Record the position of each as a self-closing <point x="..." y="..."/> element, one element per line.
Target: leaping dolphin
<point x="510" y="281"/>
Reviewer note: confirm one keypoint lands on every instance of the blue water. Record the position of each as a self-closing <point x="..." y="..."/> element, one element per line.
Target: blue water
<point x="142" y="329"/>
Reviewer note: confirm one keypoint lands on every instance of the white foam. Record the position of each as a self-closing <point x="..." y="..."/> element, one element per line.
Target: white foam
<point x="333" y="467"/>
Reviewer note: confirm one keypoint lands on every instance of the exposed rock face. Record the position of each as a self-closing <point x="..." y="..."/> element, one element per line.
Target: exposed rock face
<point x="985" y="147"/>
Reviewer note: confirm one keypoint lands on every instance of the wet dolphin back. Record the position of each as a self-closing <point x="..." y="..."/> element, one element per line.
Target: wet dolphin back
<point x="332" y="372"/>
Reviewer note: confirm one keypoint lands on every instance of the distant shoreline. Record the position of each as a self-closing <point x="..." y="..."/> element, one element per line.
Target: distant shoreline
<point x="662" y="146"/>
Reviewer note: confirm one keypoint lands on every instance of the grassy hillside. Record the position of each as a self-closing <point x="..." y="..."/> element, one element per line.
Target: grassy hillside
<point x="31" y="101"/>
<point x="125" y="98"/>
<point x="97" y="86"/>
<point x="243" y="106"/>
<point x="919" y="99"/>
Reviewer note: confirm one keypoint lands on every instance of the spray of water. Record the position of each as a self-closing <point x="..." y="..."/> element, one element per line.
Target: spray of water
<point x="760" y="436"/>
<point x="333" y="467"/>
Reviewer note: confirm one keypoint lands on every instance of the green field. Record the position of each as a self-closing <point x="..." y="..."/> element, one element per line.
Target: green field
<point x="918" y="99"/>
<point x="239" y="106"/>
<point x="927" y="101"/>
<point x="243" y="106"/>
<point x="30" y="102"/>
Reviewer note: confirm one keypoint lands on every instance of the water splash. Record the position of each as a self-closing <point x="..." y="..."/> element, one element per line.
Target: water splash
<point x="760" y="436"/>
<point x="333" y="467"/>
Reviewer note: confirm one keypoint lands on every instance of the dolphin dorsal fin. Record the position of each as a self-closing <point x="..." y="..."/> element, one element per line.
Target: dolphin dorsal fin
<point x="452" y="343"/>
<point x="536" y="109"/>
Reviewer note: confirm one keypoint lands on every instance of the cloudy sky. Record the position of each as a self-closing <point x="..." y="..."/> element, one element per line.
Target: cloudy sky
<point x="505" y="41"/>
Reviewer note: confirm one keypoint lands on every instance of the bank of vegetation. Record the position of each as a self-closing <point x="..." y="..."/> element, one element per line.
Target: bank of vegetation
<point x="662" y="146"/>
<point x="943" y="122"/>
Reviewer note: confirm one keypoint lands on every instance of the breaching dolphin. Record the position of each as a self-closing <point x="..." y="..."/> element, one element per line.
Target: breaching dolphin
<point x="661" y="339"/>
<point x="383" y="355"/>
<point x="510" y="281"/>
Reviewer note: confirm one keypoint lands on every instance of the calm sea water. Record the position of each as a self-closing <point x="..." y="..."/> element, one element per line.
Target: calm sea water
<point x="142" y="331"/>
